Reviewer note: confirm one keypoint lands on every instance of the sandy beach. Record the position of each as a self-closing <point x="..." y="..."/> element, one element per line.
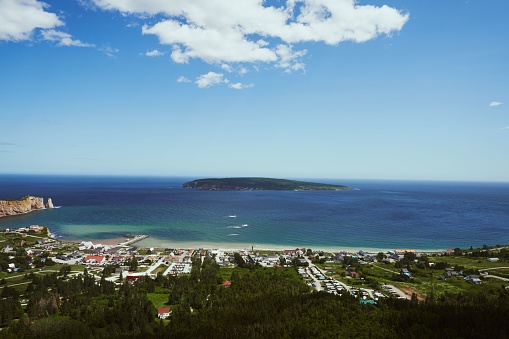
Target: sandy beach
<point x="161" y="243"/>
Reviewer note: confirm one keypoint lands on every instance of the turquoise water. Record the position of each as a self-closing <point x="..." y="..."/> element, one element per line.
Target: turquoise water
<point x="381" y="214"/>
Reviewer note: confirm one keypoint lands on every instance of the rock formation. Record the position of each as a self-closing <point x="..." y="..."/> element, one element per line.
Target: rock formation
<point x="23" y="205"/>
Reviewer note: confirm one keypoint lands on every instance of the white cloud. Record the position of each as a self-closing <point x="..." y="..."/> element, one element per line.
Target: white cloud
<point x="227" y="68"/>
<point x="506" y="127"/>
<point x="109" y="51"/>
<point x="19" y="19"/>
<point x="243" y="70"/>
<point x="239" y="85"/>
<point x="288" y="59"/>
<point x="495" y="103"/>
<point x="63" y="39"/>
<point x="250" y="31"/>
<point x="210" y="79"/>
<point x="183" y="79"/>
<point x="154" y="53"/>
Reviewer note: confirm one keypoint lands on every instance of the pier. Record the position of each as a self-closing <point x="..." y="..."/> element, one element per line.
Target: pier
<point x="134" y="240"/>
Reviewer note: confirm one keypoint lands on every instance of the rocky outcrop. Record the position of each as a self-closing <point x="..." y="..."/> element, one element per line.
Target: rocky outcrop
<point x="23" y="205"/>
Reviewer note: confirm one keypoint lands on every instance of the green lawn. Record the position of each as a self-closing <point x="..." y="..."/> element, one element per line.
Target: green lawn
<point x="226" y="272"/>
<point x="158" y="299"/>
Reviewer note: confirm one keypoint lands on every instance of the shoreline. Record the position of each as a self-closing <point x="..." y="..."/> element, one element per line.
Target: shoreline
<point x="227" y="246"/>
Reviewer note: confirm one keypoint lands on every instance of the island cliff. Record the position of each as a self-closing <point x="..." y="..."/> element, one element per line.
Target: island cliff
<point x="237" y="184"/>
<point x="23" y="205"/>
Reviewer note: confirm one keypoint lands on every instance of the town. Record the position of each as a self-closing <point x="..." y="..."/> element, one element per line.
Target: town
<point x="33" y="248"/>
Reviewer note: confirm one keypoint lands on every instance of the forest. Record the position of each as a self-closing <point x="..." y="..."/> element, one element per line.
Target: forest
<point x="260" y="303"/>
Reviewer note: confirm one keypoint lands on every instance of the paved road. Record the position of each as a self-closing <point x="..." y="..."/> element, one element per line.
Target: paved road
<point x="495" y="276"/>
<point x="492" y="268"/>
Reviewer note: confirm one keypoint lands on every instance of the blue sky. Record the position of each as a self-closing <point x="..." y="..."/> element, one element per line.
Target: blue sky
<point x="293" y="89"/>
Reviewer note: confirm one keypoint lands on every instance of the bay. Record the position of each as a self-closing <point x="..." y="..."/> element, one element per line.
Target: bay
<point x="377" y="215"/>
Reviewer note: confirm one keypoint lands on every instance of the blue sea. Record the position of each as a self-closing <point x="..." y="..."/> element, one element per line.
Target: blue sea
<point x="376" y="215"/>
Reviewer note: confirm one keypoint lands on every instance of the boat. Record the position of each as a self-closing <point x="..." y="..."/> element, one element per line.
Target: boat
<point x="232" y="216"/>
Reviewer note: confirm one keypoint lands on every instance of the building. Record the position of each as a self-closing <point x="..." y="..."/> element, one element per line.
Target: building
<point x="163" y="312"/>
<point x="94" y="259"/>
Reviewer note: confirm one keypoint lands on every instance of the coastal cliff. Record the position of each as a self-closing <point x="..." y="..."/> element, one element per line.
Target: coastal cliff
<point x="23" y="205"/>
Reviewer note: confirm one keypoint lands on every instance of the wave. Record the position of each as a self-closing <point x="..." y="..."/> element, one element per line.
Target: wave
<point x="232" y="234"/>
<point x="234" y="227"/>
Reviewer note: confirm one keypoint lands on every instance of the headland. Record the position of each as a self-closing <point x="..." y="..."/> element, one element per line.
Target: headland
<point x="24" y="205"/>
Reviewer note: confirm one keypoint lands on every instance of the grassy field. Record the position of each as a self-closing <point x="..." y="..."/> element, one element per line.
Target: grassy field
<point x="158" y="299"/>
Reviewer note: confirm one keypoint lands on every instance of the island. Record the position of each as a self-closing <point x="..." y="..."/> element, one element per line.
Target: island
<point x="23" y="205"/>
<point x="253" y="183"/>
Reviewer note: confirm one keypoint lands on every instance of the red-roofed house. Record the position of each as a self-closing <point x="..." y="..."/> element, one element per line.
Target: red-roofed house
<point x="131" y="277"/>
<point x="297" y="251"/>
<point x="163" y="312"/>
<point x="94" y="259"/>
<point x="226" y="283"/>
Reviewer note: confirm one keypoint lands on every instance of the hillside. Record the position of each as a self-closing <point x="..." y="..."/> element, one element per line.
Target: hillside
<point x="258" y="184"/>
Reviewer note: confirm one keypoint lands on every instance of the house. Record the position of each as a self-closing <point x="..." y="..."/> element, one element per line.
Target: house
<point x="402" y="252"/>
<point x="493" y="259"/>
<point x="297" y="251"/>
<point x="450" y="273"/>
<point x="132" y="277"/>
<point x="163" y="312"/>
<point x="404" y="271"/>
<point x="35" y="228"/>
<point x="475" y="281"/>
<point x="449" y="251"/>
<point x="470" y="277"/>
<point x="94" y="259"/>
<point x="354" y="275"/>
<point x="226" y="283"/>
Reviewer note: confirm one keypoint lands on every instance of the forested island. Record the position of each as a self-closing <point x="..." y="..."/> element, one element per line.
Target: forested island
<point x="243" y="183"/>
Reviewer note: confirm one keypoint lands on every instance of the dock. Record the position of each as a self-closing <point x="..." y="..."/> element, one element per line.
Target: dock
<point x="134" y="240"/>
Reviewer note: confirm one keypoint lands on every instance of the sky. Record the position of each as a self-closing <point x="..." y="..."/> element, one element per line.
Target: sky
<point x="412" y="90"/>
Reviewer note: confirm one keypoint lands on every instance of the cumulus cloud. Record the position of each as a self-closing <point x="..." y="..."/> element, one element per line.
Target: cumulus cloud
<point x="63" y="39"/>
<point x="183" y="79"/>
<point x="251" y="31"/>
<point x="154" y="53"/>
<point x="495" y="103"/>
<point x="239" y="85"/>
<point x="19" y="19"/>
<point x="210" y="79"/>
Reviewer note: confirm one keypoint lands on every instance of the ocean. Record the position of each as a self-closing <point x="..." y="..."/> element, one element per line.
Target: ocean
<point x="376" y="215"/>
